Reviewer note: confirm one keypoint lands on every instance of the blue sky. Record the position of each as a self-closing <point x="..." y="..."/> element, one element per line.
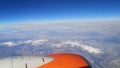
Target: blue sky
<point x="18" y="11"/>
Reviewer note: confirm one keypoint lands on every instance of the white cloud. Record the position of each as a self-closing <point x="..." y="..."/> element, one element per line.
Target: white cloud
<point x="38" y="42"/>
<point x="34" y="42"/>
<point x="87" y="48"/>
<point x="69" y="42"/>
<point x="91" y="49"/>
<point x="72" y="43"/>
<point x="8" y="43"/>
<point x="26" y="42"/>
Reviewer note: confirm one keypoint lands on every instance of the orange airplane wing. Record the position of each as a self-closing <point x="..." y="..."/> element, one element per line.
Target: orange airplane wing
<point x="66" y="61"/>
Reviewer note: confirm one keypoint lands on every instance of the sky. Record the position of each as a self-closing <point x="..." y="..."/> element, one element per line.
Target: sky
<point x="19" y="11"/>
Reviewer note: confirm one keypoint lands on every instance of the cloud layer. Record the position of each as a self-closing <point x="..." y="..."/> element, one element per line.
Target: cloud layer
<point x="87" y="48"/>
<point x="100" y="29"/>
<point x="31" y="42"/>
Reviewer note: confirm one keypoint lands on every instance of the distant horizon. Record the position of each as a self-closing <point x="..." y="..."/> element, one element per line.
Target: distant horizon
<point x="60" y="21"/>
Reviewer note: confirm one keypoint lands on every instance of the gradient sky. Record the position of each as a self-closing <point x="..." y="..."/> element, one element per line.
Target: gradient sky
<point x="17" y="11"/>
